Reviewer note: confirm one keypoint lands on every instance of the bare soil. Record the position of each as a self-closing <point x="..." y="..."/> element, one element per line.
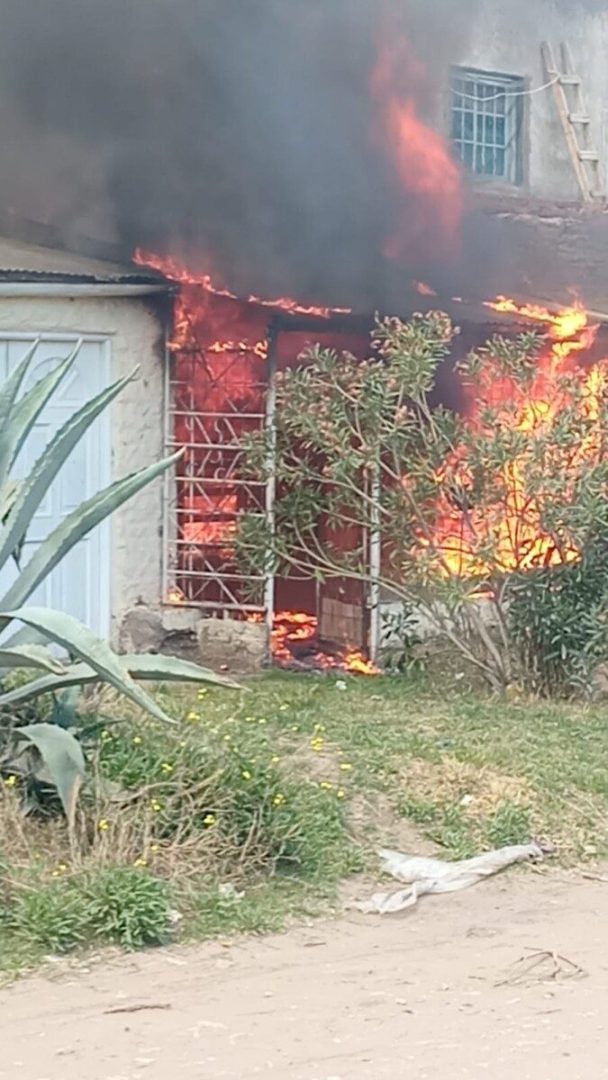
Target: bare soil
<point x="437" y="992"/>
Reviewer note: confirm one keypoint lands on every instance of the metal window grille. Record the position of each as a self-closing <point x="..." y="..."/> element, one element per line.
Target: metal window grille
<point x="207" y="493"/>
<point x="487" y="123"/>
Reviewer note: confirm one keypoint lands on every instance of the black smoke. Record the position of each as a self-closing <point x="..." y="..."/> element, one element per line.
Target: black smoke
<point x="237" y="134"/>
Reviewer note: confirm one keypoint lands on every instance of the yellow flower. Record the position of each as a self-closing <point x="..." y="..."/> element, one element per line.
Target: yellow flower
<point x="167" y="768"/>
<point x="317" y="744"/>
<point x="154" y="847"/>
<point x="319" y="727"/>
<point x="295" y="728"/>
<point x="193" y="716"/>
<point x="246" y="774"/>
<point x="140" y="862"/>
<point x="249" y="719"/>
<point x="137" y="741"/>
<point x="284" y="707"/>
<point x="209" y="821"/>
<point x="11" y="781"/>
<point x="326" y="785"/>
<point x="341" y="793"/>
<point x="105" y="735"/>
<point x="262" y="720"/>
<point x="279" y="800"/>
<point x="202" y="692"/>
<point x="275" y="760"/>
<point x="346" y="767"/>
<point x="227" y="738"/>
<point x="103" y="825"/>
<point x="60" y="869"/>
<point x="156" y="806"/>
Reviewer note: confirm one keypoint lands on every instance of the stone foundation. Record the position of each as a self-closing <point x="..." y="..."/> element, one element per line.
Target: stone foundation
<point x="227" y="645"/>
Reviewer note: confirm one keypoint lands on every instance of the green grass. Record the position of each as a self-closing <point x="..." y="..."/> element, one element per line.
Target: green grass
<point x="467" y="769"/>
<point x="260" y="802"/>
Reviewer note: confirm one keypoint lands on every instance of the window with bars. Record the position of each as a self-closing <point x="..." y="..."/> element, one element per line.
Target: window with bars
<point x="487" y="115"/>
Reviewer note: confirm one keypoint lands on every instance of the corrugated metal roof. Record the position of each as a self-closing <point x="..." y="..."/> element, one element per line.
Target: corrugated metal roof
<point x="28" y="262"/>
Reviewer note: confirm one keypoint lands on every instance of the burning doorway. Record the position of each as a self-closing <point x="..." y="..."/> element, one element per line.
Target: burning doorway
<point x="223" y="357"/>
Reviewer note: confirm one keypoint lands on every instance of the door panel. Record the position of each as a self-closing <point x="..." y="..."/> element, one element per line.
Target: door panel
<point x="80" y="585"/>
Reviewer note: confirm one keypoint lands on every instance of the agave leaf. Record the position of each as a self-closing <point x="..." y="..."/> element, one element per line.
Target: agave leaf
<point x="30" y="656"/>
<point x="48" y="465"/>
<point x="155" y="668"/>
<point x="63" y="758"/>
<point x="72" y="635"/>
<point x="27" y="410"/>
<point x="8" y="495"/>
<point x="171" y="669"/>
<point x="76" y="525"/>
<point x="8" y="396"/>
<point x="25" y="635"/>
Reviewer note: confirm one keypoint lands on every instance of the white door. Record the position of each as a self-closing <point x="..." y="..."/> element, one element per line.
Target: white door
<point x="80" y="585"/>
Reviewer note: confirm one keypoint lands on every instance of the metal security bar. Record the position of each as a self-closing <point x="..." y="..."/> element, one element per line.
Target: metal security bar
<point x="215" y="400"/>
<point x="487" y="123"/>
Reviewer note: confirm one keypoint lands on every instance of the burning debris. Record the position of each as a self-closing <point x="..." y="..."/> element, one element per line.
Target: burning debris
<point x="296" y="646"/>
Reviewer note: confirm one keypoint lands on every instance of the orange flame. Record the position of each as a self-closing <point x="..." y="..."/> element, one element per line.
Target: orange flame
<point x="294" y="628"/>
<point x="515" y="530"/>
<point x="174" y="596"/>
<point x="260" y="348"/>
<point x="176" y="271"/>
<point x="426" y="171"/>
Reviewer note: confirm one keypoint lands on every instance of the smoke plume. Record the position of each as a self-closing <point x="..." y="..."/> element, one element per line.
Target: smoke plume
<point x="239" y="135"/>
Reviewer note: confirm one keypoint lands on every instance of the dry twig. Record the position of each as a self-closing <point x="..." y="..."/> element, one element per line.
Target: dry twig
<point x="542" y="966"/>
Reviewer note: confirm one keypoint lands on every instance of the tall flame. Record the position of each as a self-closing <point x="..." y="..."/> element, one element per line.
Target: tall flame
<point x="514" y="528"/>
<point x="426" y="171"/>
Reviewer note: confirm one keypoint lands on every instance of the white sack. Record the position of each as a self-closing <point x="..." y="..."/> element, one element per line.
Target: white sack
<point x="434" y="876"/>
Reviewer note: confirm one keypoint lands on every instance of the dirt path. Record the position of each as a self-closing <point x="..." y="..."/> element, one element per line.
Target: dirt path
<point x="408" y="996"/>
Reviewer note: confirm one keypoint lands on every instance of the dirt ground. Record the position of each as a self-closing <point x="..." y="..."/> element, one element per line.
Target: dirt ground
<point x="430" y="993"/>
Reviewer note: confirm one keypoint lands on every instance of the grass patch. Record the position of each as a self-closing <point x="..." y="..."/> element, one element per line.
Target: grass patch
<point x="257" y="804"/>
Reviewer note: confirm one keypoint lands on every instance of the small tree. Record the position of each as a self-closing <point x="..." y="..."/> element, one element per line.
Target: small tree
<point x="462" y="505"/>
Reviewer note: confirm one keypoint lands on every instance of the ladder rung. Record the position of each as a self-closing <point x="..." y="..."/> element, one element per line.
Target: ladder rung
<point x="579" y="118"/>
<point x="588" y="155"/>
<point x="570" y="80"/>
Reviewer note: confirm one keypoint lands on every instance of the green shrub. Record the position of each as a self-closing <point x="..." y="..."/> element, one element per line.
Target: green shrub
<point x="54" y="916"/>
<point x="558" y="619"/>
<point x="121" y="905"/>
<point x="129" y="907"/>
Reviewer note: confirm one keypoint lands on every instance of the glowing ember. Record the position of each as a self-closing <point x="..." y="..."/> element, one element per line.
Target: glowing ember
<point x="295" y="643"/>
<point x="515" y="529"/>
<point x="423" y="289"/>
<point x="175" y="596"/>
<point x="176" y="271"/>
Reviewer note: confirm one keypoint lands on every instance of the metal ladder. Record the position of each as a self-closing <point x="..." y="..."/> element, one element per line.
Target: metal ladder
<point x="575" y="120"/>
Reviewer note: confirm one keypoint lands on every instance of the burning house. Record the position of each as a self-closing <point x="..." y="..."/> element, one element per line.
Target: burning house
<point x="272" y="179"/>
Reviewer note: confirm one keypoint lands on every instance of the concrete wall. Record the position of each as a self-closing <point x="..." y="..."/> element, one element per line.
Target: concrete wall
<point x="135" y="332"/>
<point x="505" y="37"/>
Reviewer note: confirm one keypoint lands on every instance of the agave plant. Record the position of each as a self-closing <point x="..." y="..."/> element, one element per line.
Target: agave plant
<point x="91" y="659"/>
